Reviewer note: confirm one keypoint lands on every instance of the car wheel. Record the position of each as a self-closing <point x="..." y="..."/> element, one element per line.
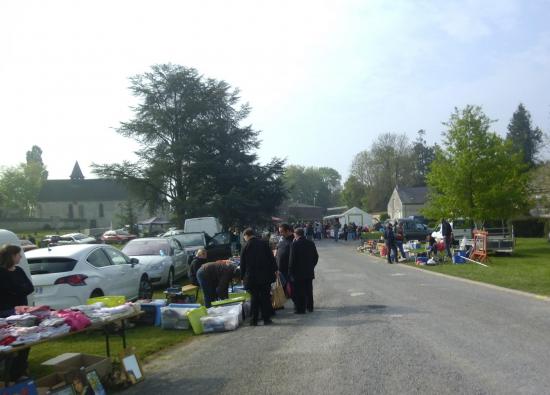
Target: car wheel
<point x="145" y="288"/>
<point x="170" y="281"/>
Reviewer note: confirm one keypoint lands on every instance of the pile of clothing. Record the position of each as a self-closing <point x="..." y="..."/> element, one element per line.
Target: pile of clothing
<point x="30" y="324"/>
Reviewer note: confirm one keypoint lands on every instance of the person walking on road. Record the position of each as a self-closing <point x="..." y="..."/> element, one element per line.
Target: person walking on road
<point x="447" y="233"/>
<point x="258" y="267"/>
<point x="336" y="229"/>
<point x="283" y="251"/>
<point x="389" y="238"/>
<point x="399" y="240"/>
<point x="301" y="267"/>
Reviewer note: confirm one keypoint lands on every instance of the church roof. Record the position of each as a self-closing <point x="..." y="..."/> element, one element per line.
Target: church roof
<point x="77" y="173"/>
<point x="82" y="190"/>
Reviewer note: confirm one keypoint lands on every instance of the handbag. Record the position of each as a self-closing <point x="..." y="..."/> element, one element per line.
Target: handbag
<point x="278" y="298"/>
<point x="288" y="290"/>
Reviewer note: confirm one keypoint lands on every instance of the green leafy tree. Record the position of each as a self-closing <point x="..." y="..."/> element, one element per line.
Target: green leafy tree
<point x="386" y="164"/>
<point x="195" y="155"/>
<point x="423" y="156"/>
<point x="318" y="186"/>
<point x="526" y="139"/>
<point x="476" y="174"/>
<point x="354" y="193"/>
<point x="20" y="185"/>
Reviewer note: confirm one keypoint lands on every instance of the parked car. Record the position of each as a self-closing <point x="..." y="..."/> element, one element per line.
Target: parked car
<point x="461" y="228"/>
<point x="163" y="259"/>
<point x="217" y="247"/>
<point x="172" y="232"/>
<point x="67" y="275"/>
<point x="27" y="245"/>
<point x="413" y="230"/>
<point x="117" y="236"/>
<point x="78" y="238"/>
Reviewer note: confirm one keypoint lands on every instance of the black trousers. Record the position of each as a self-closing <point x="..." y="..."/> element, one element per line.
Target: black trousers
<point x="303" y="295"/>
<point x="260" y="300"/>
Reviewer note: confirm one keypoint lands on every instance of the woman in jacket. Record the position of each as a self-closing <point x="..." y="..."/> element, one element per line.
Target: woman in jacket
<point x="15" y="286"/>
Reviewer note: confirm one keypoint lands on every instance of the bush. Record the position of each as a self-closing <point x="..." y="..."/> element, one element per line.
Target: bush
<point x="371" y="235"/>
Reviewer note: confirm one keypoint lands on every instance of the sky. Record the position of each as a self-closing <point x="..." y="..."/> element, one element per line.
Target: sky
<point x="323" y="78"/>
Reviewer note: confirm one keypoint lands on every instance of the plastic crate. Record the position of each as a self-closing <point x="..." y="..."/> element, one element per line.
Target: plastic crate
<point x="194" y="317"/>
<point x="151" y="315"/>
<point x="109" y="301"/>
<point x="238" y="294"/>
<point x="458" y="258"/>
<point x="238" y="299"/>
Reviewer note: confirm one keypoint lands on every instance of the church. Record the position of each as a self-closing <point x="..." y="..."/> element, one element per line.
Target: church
<point x="81" y="203"/>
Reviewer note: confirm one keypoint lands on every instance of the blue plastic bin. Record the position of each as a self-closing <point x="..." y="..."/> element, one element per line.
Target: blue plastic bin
<point x="458" y="258"/>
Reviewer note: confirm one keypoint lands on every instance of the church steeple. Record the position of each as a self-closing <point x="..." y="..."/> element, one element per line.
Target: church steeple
<point x="77" y="173"/>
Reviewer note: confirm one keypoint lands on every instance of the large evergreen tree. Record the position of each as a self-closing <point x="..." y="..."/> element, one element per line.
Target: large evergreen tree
<point x="196" y="156"/>
<point x="526" y="139"/>
<point x="476" y="174"/>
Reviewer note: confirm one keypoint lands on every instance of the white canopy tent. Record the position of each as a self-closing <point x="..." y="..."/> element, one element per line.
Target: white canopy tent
<point x="355" y="215"/>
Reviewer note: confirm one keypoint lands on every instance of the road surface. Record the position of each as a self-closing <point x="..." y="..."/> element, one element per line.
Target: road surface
<point x="377" y="329"/>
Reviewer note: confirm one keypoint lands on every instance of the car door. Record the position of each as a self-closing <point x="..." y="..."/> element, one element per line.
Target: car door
<point x="179" y="257"/>
<point x="220" y="245"/>
<point x="129" y="275"/>
<point x="107" y="273"/>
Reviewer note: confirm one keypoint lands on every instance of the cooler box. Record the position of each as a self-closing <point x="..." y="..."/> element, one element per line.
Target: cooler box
<point x="108" y="301"/>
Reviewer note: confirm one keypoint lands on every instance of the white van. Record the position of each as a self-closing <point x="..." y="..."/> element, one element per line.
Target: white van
<point x="461" y="229"/>
<point x="8" y="237"/>
<point x="210" y="225"/>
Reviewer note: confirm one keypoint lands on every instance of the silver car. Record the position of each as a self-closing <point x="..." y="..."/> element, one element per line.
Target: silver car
<point x="163" y="259"/>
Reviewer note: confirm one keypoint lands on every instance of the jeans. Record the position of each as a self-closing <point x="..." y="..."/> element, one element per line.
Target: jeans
<point x="448" y="243"/>
<point x="391" y="248"/>
<point x="208" y="290"/>
<point x="401" y="250"/>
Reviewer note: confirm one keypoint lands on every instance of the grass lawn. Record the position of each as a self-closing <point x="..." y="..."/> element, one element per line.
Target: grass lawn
<point x="528" y="269"/>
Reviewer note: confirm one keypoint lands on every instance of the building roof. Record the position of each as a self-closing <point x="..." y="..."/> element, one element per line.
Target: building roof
<point x="76" y="173"/>
<point x="82" y="190"/>
<point x="413" y="195"/>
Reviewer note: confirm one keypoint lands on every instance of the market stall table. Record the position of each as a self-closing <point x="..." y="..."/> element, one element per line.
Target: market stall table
<point x="109" y="326"/>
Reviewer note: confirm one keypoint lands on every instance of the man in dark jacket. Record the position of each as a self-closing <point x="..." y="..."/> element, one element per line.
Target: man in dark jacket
<point x="258" y="269"/>
<point x="391" y="246"/>
<point x="283" y="250"/>
<point x="301" y="268"/>
<point x="214" y="279"/>
<point x="447" y="233"/>
<point x="200" y="259"/>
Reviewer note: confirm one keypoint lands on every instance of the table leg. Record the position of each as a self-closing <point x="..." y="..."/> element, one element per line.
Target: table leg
<point x="107" y="347"/>
<point x="123" y="333"/>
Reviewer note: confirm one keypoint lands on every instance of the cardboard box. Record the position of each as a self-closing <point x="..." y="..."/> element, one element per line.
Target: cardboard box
<point x="44" y="384"/>
<point x="74" y="361"/>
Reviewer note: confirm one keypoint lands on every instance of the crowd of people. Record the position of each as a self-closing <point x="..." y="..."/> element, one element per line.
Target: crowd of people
<point x="293" y="263"/>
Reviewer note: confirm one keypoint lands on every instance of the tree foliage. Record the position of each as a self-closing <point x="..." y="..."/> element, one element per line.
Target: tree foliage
<point x="476" y="174"/>
<point x="526" y="139"/>
<point x="195" y="155"/>
<point x="392" y="160"/>
<point x="20" y="185"/>
<point x="354" y="193"/>
<point x="320" y="186"/>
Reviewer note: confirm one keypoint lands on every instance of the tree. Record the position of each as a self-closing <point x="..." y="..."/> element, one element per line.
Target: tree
<point x="524" y="138"/>
<point x="195" y="156"/>
<point x="354" y="193"/>
<point x="423" y="156"/>
<point x="385" y="165"/>
<point x="20" y="185"/>
<point x="476" y="174"/>
<point x="318" y="186"/>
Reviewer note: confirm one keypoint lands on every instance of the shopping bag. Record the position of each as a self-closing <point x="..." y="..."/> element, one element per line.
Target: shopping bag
<point x="278" y="298"/>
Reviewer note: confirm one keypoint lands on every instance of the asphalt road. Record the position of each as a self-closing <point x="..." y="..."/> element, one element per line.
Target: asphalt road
<point x="377" y="329"/>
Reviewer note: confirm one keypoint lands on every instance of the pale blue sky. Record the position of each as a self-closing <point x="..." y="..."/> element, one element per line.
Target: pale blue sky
<point x="324" y="78"/>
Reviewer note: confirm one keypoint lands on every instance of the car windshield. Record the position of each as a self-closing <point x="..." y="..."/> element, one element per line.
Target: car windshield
<point x="191" y="239"/>
<point x="51" y="265"/>
<point x="146" y="247"/>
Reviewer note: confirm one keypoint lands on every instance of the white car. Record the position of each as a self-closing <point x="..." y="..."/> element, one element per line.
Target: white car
<point x="77" y="238"/>
<point x="67" y="275"/>
<point x="163" y="259"/>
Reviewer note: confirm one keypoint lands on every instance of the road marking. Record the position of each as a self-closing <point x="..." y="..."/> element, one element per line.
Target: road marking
<point x="356" y="294"/>
<point x="397" y="274"/>
<point x="396" y="315"/>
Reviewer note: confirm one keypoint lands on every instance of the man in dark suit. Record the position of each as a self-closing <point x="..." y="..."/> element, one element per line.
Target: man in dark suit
<point x="301" y="268"/>
<point x="258" y="269"/>
<point x="283" y="250"/>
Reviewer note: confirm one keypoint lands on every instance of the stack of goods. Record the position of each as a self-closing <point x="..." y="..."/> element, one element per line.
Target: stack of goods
<point x="32" y="324"/>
